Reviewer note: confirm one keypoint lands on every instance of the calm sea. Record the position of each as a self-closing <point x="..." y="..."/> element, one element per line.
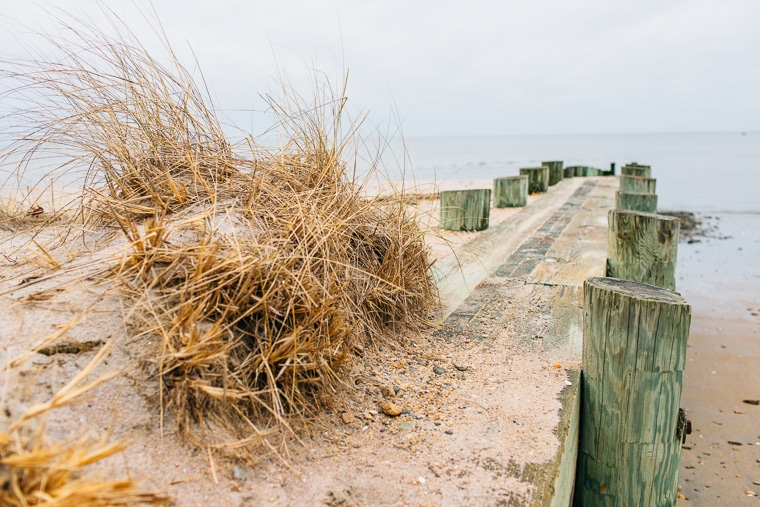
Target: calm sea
<point x="695" y="172"/>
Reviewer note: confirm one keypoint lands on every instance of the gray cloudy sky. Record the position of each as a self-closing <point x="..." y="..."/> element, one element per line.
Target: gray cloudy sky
<point x="475" y="67"/>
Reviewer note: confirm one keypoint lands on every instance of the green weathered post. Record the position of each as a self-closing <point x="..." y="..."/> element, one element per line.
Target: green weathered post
<point x="634" y="169"/>
<point x="555" y="171"/>
<point x="638" y="184"/>
<point x="634" y="351"/>
<point x="636" y="201"/>
<point x="538" y="179"/>
<point x="592" y="171"/>
<point x="465" y="210"/>
<point x="510" y="192"/>
<point x="642" y="247"/>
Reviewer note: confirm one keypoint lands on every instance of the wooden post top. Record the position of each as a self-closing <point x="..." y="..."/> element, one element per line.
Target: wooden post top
<point x="636" y="177"/>
<point x="522" y="176"/>
<point x="663" y="218"/>
<point x="641" y="291"/>
<point x="463" y="192"/>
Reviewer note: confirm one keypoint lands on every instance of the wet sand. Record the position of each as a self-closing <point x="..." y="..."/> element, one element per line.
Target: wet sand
<point x="720" y="277"/>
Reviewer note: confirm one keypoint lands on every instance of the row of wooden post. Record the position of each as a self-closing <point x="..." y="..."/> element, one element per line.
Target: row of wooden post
<point x="469" y="210"/>
<point x="635" y="332"/>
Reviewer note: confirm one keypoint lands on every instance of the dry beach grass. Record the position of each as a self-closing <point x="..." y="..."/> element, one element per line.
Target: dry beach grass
<point x="249" y="277"/>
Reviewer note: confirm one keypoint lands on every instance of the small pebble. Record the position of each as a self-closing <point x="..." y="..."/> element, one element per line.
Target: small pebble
<point x="240" y="473"/>
<point x="347" y="418"/>
<point x="390" y="409"/>
<point x="409" y="425"/>
<point x="396" y="389"/>
<point x="460" y="366"/>
<point x="449" y="432"/>
<point x="388" y="392"/>
<point x="438" y="370"/>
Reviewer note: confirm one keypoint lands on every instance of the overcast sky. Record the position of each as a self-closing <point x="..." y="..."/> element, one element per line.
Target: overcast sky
<point x="470" y="68"/>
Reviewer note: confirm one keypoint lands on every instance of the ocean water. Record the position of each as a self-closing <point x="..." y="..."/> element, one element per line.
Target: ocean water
<point x="717" y="173"/>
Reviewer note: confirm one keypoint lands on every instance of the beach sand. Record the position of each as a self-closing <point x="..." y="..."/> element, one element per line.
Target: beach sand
<point x="720" y="277"/>
<point x="424" y="458"/>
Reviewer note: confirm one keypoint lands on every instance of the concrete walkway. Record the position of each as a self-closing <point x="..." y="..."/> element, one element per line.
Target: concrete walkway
<point x="537" y="290"/>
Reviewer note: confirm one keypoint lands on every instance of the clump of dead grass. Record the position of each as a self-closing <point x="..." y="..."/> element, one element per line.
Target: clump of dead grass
<point x="262" y="300"/>
<point x="261" y="270"/>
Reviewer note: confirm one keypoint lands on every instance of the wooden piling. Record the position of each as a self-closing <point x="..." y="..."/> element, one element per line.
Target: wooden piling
<point x="642" y="247"/>
<point x="634" y="351"/>
<point x="465" y="210"/>
<point x="638" y="184"/>
<point x="538" y="179"/>
<point x="636" y="201"/>
<point x="592" y="171"/>
<point x="555" y="171"/>
<point x="510" y="192"/>
<point x="635" y="169"/>
<point x="581" y="170"/>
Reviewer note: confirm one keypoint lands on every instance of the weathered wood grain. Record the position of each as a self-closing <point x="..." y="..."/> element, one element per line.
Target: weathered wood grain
<point x="642" y="247"/>
<point x="465" y="210"/>
<point x="636" y="201"/>
<point x="555" y="171"/>
<point x="581" y="171"/>
<point x="538" y="179"/>
<point x="634" y="352"/>
<point x="510" y="192"/>
<point x="639" y="184"/>
<point x="634" y="169"/>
